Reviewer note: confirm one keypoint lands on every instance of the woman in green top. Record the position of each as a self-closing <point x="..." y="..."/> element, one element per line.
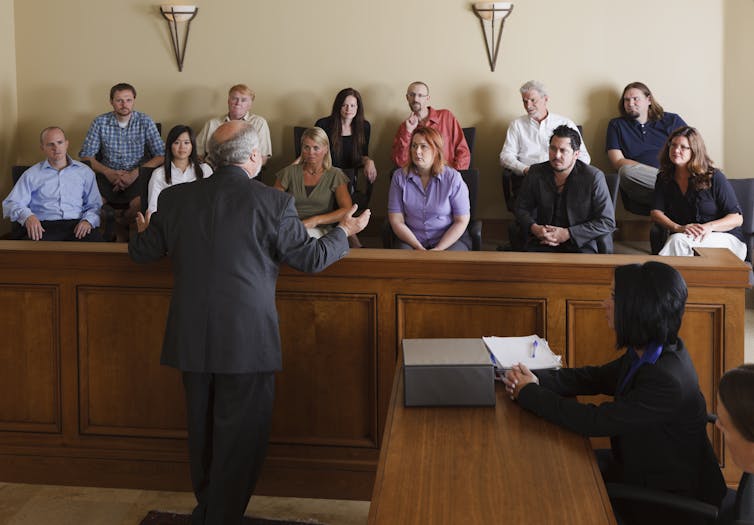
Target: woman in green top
<point x="320" y="190"/>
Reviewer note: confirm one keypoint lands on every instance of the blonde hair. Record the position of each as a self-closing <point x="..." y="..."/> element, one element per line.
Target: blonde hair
<point x="242" y="88"/>
<point x="319" y="136"/>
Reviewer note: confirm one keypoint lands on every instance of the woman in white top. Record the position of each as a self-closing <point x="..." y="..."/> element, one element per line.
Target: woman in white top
<point x="181" y="164"/>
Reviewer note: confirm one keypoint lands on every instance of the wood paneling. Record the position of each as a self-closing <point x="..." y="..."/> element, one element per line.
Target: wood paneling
<point x="84" y="394"/>
<point x="322" y="332"/>
<point x="463" y="316"/>
<point x="29" y="358"/>
<point x="120" y="339"/>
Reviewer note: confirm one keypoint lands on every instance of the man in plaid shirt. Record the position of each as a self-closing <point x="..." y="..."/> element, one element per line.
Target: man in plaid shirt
<point x="117" y="144"/>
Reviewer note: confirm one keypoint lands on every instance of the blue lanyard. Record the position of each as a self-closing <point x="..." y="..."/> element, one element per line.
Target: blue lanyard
<point x="650" y="355"/>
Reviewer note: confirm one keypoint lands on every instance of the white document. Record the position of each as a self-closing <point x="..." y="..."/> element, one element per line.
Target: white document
<point x="532" y="350"/>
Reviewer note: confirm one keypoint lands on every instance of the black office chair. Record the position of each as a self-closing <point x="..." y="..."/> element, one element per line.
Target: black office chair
<point x="145" y="174"/>
<point x="737" y="507"/>
<point x="470" y="135"/>
<point x="471" y="178"/>
<point x="632" y="206"/>
<point x="744" y="189"/>
<point x="360" y="197"/>
<point x="17" y="231"/>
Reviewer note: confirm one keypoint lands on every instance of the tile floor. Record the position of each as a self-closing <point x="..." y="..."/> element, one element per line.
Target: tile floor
<point x="22" y="504"/>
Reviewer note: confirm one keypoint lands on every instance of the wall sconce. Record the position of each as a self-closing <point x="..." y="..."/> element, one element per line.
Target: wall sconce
<point x="491" y="14"/>
<point x="179" y="15"/>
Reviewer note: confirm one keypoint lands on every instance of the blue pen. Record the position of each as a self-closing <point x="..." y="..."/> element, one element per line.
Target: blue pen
<point x="534" y="349"/>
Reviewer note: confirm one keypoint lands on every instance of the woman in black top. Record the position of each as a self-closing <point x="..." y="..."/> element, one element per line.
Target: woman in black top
<point x="657" y="418"/>
<point x="693" y="200"/>
<point x="349" y="133"/>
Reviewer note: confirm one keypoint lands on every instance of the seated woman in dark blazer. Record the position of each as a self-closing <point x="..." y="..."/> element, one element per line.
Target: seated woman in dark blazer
<point x="656" y="421"/>
<point x="693" y="199"/>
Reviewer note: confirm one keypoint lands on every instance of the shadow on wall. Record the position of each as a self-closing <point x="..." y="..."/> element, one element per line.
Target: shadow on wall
<point x="601" y="103"/>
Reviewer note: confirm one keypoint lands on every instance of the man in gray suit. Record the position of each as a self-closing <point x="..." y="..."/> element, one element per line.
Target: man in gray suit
<point x="564" y="204"/>
<point x="227" y="235"/>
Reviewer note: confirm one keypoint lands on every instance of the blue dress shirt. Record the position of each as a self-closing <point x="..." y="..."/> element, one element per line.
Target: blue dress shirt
<point x="53" y="195"/>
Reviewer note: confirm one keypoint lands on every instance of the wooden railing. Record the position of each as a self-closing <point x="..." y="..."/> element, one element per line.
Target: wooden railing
<point x="85" y="401"/>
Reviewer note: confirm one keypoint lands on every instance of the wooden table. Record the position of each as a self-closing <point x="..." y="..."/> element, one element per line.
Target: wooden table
<point x="483" y="465"/>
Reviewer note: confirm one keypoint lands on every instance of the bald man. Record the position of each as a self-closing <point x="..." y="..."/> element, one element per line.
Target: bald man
<point x="227" y="236"/>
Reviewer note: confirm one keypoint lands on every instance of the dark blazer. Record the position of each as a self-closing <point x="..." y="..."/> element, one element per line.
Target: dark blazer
<point x="656" y="424"/>
<point x="588" y="203"/>
<point x="227" y="235"/>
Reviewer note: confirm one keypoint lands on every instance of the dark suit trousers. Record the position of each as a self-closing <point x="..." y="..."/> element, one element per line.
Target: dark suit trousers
<point x="229" y="417"/>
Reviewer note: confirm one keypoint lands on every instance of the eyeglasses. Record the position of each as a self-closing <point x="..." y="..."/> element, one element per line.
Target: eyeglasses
<point x="681" y="147"/>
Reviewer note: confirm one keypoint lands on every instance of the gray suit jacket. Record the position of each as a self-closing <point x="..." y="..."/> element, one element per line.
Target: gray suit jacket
<point x="588" y="204"/>
<point x="227" y="236"/>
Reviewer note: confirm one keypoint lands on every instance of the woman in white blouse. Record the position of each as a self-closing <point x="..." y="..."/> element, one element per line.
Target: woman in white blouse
<point x="181" y="164"/>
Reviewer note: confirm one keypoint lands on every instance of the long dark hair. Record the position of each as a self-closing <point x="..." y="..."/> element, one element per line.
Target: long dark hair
<point x="357" y="128"/>
<point x="650" y="299"/>
<point x="655" y="111"/>
<point x="193" y="158"/>
<point x="700" y="166"/>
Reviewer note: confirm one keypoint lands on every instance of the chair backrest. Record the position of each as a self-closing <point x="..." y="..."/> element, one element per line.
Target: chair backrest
<point x="613" y="182"/>
<point x="17" y="231"/>
<point x="470" y="136"/>
<point x="145" y="175"/>
<point x="471" y="178"/>
<point x="16" y="172"/>
<point x="744" y="189"/>
<point x="298" y="131"/>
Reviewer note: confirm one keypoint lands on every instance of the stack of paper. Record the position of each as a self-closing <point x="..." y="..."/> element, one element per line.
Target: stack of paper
<point x="532" y="350"/>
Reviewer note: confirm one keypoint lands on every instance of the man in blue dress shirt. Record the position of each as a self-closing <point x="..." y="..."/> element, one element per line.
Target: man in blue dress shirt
<point x="634" y="141"/>
<point x="56" y="199"/>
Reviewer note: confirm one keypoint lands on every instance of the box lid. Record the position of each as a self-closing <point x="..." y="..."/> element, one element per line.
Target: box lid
<point x="445" y="352"/>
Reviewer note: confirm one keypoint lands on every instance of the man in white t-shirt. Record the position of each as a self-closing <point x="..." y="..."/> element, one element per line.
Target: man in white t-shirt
<point x="240" y="100"/>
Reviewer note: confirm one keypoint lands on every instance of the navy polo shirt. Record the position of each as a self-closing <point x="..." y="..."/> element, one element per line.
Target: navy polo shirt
<point x="700" y="206"/>
<point x="641" y="142"/>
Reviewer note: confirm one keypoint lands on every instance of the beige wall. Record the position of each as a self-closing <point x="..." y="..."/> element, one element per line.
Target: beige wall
<point x="738" y="88"/>
<point x="8" y="106"/>
<point x="585" y="51"/>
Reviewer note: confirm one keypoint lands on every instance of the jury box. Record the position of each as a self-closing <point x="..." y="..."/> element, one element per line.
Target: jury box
<point x="447" y="372"/>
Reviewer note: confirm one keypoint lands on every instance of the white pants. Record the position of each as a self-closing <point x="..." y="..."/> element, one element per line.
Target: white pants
<point x="682" y="244"/>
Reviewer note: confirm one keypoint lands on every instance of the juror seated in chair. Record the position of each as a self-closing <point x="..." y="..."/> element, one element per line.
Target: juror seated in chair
<point x="428" y="204"/>
<point x="693" y="200"/>
<point x="320" y="190"/>
<point x="56" y="199"/>
<point x="565" y="205"/>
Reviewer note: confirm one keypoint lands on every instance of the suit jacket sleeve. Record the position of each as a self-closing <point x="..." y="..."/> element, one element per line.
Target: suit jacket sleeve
<point x="654" y="397"/>
<point x="587" y="380"/>
<point x="526" y="202"/>
<point x="601" y="214"/>
<point x="304" y="253"/>
<point x="151" y="244"/>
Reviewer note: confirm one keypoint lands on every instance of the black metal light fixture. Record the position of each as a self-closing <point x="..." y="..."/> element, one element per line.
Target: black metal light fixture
<point x="179" y="19"/>
<point x="492" y="16"/>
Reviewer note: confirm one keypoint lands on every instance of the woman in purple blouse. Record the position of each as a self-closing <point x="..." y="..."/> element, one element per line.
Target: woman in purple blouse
<point x="428" y="203"/>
